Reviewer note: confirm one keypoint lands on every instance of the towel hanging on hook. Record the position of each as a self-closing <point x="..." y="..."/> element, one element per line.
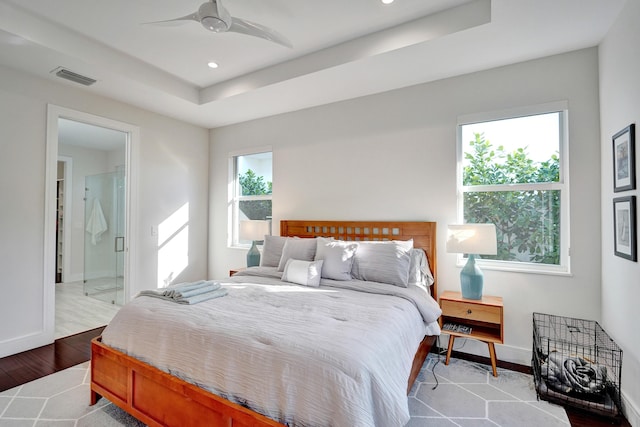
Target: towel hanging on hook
<point x="96" y="224"/>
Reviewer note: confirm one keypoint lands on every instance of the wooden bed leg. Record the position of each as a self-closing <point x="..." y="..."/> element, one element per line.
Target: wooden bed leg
<point x="421" y="355"/>
<point x="94" y="398"/>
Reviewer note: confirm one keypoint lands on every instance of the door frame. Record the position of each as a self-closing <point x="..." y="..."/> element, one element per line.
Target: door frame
<point x="132" y="149"/>
<point x="68" y="207"/>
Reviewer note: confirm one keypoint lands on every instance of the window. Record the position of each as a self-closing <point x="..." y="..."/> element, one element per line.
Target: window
<point x="252" y="182"/>
<point x="512" y="173"/>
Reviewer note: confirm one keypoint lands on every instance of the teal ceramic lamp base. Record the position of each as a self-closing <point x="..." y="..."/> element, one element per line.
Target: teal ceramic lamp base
<point x="253" y="256"/>
<point x="471" y="280"/>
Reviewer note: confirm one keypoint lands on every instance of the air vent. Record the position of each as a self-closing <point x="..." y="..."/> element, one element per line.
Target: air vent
<point x="74" y="77"/>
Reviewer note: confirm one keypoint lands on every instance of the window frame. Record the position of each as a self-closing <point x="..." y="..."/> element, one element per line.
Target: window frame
<point x="235" y="196"/>
<point x="564" y="268"/>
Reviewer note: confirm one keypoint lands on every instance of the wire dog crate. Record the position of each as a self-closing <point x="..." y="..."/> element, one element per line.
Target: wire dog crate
<point x="576" y="363"/>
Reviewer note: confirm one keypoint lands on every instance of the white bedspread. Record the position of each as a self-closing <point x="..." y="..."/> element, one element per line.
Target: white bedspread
<point x="324" y="356"/>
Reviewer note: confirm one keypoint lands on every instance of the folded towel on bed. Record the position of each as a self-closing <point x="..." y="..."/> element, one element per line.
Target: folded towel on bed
<point x="573" y="374"/>
<point x="187" y="293"/>
<point x="194" y="299"/>
<point x="185" y="286"/>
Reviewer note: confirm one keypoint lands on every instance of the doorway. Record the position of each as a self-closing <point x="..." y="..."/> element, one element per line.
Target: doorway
<point x="98" y="206"/>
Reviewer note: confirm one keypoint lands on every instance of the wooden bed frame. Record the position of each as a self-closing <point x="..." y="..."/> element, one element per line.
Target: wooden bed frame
<point x="160" y="399"/>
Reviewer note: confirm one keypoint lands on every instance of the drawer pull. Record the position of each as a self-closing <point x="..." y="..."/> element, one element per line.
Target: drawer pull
<point x="469" y="311"/>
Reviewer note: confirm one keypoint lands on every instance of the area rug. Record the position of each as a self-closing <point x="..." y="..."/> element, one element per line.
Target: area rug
<point x="461" y="394"/>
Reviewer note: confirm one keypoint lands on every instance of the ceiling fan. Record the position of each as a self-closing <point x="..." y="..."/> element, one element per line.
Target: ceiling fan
<point x="215" y="17"/>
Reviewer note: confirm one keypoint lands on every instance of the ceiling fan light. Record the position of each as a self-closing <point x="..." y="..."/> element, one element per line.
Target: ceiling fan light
<point x="214" y="24"/>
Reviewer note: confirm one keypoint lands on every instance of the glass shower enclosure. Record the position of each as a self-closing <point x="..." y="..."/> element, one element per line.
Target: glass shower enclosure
<point x="104" y="237"/>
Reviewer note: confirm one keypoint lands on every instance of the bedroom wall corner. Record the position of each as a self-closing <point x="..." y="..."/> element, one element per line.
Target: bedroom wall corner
<point x="619" y="107"/>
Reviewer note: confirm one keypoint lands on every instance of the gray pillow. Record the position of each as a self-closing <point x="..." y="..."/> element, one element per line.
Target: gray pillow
<point x="383" y="261"/>
<point x="272" y="251"/>
<point x="296" y="248"/>
<point x="338" y="258"/>
<point x="305" y="273"/>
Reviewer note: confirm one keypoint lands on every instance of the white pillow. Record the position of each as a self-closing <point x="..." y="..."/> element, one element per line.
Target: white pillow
<point x="305" y="273"/>
<point x="383" y="261"/>
<point x="338" y="258"/>
<point x="272" y="251"/>
<point x="296" y="248"/>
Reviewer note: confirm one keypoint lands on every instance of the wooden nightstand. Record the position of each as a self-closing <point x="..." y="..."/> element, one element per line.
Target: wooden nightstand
<point x="484" y="316"/>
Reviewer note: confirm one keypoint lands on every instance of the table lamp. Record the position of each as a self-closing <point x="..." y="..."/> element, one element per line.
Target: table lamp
<point x="253" y="230"/>
<point x="472" y="239"/>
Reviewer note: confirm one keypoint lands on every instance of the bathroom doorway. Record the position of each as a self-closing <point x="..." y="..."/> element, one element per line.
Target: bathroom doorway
<point x="93" y="207"/>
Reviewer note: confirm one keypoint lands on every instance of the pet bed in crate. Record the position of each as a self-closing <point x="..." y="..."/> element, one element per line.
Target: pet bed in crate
<point x="576" y="363"/>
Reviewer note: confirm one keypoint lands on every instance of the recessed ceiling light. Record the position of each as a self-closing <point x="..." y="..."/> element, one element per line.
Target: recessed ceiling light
<point x="387" y="1"/>
<point x="214" y="64"/>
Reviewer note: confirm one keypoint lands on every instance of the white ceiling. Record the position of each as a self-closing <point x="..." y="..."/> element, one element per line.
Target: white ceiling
<point x="341" y="48"/>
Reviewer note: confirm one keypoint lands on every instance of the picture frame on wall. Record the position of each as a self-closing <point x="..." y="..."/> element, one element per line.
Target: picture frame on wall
<point x="624" y="227"/>
<point x="624" y="159"/>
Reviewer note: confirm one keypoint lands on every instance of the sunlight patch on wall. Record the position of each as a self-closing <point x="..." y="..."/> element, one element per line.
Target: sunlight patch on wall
<point x="173" y="246"/>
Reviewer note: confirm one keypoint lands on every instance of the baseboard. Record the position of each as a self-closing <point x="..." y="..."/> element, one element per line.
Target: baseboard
<point x="99" y="275"/>
<point x="630" y="410"/>
<point x="73" y="277"/>
<point x="26" y="342"/>
<point x="505" y="353"/>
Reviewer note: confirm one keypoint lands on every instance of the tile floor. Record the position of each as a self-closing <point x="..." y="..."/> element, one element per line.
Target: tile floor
<point x="76" y="312"/>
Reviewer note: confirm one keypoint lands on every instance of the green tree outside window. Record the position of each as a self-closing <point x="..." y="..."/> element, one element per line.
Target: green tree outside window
<point x="527" y="222"/>
<point x="254" y="185"/>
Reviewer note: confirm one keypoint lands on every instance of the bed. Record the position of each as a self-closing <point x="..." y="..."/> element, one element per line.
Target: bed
<point x="250" y="373"/>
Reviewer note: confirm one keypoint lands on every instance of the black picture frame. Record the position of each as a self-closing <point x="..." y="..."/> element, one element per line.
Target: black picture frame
<point x="624" y="227"/>
<point x="624" y="159"/>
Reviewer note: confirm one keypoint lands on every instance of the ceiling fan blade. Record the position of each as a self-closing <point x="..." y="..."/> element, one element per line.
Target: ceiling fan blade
<point x="252" y="29"/>
<point x="176" y="21"/>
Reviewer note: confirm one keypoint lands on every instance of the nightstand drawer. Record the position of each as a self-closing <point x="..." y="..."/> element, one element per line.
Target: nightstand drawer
<point x="470" y="311"/>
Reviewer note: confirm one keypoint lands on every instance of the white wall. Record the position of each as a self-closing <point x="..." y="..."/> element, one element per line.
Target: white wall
<point x="619" y="107"/>
<point x="392" y="156"/>
<point x="173" y="171"/>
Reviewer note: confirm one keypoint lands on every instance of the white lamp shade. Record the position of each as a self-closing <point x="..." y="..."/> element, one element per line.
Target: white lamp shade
<point x="253" y="229"/>
<point x="479" y="239"/>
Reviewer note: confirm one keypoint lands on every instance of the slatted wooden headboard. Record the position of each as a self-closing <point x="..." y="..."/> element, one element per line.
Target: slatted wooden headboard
<point x="422" y="233"/>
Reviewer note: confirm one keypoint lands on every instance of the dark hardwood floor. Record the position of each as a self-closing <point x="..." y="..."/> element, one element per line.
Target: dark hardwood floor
<point x="66" y="352"/>
<point x="33" y="364"/>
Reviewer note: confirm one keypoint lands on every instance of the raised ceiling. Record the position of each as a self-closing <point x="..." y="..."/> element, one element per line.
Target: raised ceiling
<point x="341" y="49"/>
